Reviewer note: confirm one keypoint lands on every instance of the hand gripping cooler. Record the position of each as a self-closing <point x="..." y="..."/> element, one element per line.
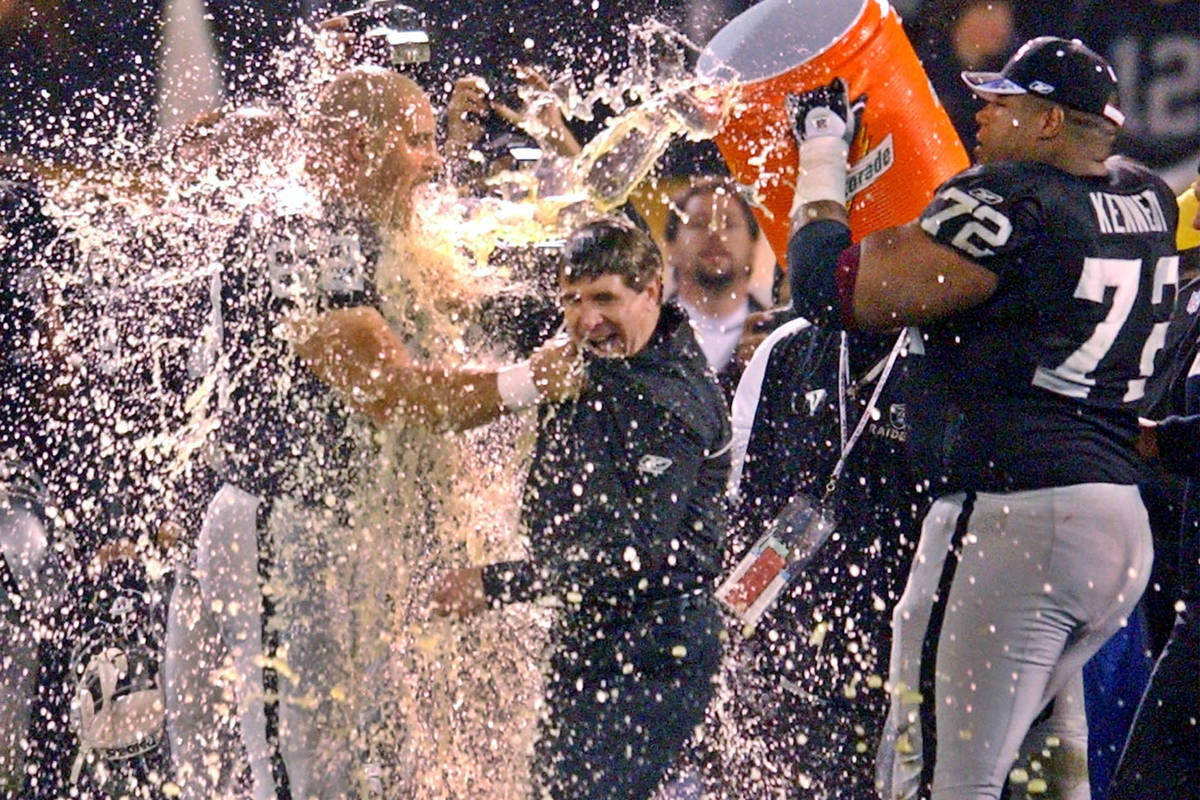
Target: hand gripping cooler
<point x="905" y="145"/>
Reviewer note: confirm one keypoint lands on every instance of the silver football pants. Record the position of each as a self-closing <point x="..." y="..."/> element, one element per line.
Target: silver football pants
<point x="29" y="594"/>
<point x="214" y="621"/>
<point x="215" y="628"/>
<point x="1007" y="598"/>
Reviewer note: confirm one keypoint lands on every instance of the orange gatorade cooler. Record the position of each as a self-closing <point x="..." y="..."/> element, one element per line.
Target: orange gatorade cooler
<point x="905" y="146"/>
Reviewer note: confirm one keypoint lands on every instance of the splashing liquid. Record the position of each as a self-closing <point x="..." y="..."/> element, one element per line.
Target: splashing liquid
<point x="427" y="708"/>
<point x="613" y="164"/>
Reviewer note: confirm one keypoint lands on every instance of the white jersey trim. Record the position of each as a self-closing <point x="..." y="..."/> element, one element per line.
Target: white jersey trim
<point x="746" y="398"/>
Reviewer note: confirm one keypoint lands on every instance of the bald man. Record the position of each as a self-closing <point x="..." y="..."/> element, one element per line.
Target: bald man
<point x="298" y="311"/>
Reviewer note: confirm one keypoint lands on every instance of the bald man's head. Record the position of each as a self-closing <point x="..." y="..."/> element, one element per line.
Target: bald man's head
<point x="366" y="95"/>
<point x="373" y="133"/>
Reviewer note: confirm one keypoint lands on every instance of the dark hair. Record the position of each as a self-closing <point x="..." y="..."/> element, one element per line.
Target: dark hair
<point x="611" y="246"/>
<point x="704" y="187"/>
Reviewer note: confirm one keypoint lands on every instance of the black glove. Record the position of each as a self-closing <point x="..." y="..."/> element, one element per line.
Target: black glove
<point x="824" y="111"/>
<point x="823" y="121"/>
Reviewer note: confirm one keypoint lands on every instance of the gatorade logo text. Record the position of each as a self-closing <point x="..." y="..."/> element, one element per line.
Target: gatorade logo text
<point x="870" y="167"/>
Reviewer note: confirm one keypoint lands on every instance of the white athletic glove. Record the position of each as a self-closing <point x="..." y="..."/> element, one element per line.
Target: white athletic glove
<point x="823" y="122"/>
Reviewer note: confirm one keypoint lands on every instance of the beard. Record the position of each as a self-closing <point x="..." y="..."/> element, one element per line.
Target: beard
<point x="715" y="281"/>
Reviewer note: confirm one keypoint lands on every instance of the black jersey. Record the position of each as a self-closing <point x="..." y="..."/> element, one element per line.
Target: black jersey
<point x="133" y="311"/>
<point x="624" y="498"/>
<point x="1039" y="385"/>
<point x="829" y="632"/>
<point x="1165" y="393"/>
<point x="282" y="430"/>
<point x="1174" y="398"/>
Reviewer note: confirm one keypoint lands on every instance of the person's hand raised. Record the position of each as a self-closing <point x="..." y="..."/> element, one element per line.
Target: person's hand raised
<point x="557" y="367"/>
<point x="543" y="118"/>
<point x="466" y="111"/>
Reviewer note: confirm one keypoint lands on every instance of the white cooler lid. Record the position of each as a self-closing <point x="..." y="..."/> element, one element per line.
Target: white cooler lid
<point x="774" y="36"/>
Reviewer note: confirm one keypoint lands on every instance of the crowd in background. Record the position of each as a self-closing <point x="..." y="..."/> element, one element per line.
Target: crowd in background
<point x="64" y="58"/>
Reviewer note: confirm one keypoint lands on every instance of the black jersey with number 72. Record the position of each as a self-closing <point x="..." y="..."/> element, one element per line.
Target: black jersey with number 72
<point x="1039" y="386"/>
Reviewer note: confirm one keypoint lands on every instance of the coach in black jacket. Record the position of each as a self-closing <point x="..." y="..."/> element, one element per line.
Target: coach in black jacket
<point x="624" y="511"/>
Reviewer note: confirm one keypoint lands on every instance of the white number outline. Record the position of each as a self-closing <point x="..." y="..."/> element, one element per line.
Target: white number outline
<point x="288" y="272"/>
<point x="342" y="267"/>
<point x="1166" y="273"/>
<point x="298" y="273"/>
<point x="1073" y="377"/>
<point x="963" y="203"/>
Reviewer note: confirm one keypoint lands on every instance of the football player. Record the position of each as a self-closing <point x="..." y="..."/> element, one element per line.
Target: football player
<point x="1042" y="280"/>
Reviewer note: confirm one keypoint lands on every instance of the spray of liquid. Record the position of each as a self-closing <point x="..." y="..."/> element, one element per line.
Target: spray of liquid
<point x="655" y="99"/>
<point x="427" y="708"/>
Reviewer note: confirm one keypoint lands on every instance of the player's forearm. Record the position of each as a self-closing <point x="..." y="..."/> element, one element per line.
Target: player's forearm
<point x="462" y="397"/>
<point x="455" y="399"/>
<point x="355" y="353"/>
<point x="347" y="349"/>
<point x="899" y="276"/>
<point x="905" y="277"/>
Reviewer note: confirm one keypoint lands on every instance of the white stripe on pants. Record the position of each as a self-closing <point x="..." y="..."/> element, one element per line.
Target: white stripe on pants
<point x="216" y="612"/>
<point x="23" y="546"/>
<point x="1044" y="578"/>
<point x="312" y="588"/>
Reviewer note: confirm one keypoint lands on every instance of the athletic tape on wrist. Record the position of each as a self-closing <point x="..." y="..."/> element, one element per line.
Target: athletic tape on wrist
<point x="822" y="174"/>
<point x="516" y="387"/>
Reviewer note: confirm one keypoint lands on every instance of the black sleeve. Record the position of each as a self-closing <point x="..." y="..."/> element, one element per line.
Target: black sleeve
<point x="812" y="256"/>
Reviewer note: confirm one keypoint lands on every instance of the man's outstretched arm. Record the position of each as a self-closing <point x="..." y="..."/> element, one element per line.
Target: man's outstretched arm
<point x="354" y="351"/>
<point x="894" y="277"/>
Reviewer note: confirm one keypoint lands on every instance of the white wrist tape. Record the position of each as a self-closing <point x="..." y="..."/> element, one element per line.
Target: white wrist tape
<point x="822" y="174"/>
<point x="516" y="387"/>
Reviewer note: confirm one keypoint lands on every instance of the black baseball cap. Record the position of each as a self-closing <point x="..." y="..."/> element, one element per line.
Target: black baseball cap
<point x="1060" y="70"/>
